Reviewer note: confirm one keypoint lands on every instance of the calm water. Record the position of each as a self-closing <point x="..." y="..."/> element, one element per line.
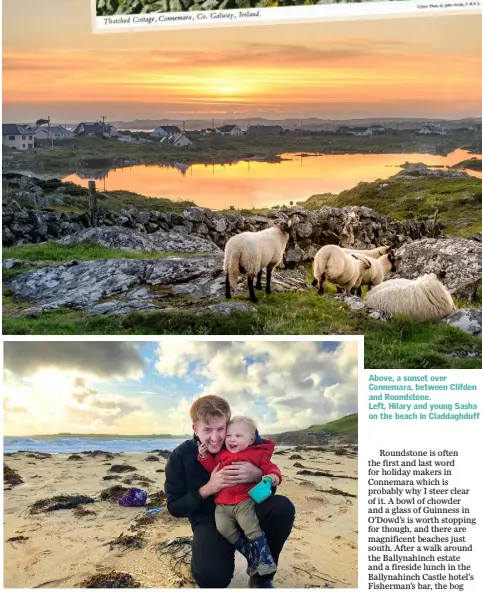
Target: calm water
<point x="262" y="184"/>
<point x="53" y="445"/>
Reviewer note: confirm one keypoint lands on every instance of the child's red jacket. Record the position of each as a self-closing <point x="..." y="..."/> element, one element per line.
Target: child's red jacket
<point x="257" y="454"/>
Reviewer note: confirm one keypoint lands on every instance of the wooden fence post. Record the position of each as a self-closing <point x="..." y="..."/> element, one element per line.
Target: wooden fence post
<point x="434" y="228"/>
<point x="93" y="210"/>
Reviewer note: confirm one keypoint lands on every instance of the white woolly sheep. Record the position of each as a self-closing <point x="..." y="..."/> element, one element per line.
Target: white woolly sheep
<point x="375" y="274"/>
<point x="373" y="253"/>
<point x="343" y="269"/>
<point x="250" y="252"/>
<point x="422" y="299"/>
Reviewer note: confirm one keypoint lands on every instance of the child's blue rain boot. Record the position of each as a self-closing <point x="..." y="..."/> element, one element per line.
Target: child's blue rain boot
<point x="244" y="546"/>
<point x="266" y="562"/>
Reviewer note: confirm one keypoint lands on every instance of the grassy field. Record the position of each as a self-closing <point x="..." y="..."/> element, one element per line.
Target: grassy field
<point x="458" y="200"/>
<point x="400" y="343"/>
<point x="344" y="425"/>
<point x="95" y="152"/>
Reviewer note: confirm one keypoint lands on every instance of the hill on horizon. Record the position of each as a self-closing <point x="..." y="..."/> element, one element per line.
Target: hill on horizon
<point x="344" y="425"/>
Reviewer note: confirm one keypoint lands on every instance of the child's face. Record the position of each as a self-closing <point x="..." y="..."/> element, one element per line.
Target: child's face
<point x="238" y="437"/>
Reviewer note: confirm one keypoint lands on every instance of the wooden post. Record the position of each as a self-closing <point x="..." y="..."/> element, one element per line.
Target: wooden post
<point x="93" y="210"/>
<point x="434" y="228"/>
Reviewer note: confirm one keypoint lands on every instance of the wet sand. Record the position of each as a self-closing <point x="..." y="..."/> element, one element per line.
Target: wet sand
<point x="62" y="549"/>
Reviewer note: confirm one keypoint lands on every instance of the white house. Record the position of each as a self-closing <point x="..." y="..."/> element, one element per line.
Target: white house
<point x="378" y="129"/>
<point x="162" y="131"/>
<point x="55" y="132"/>
<point x="17" y="136"/>
<point x="96" y="127"/>
<point x="229" y="130"/>
<point x="360" y="131"/>
<point x="176" y="140"/>
<point x="428" y="129"/>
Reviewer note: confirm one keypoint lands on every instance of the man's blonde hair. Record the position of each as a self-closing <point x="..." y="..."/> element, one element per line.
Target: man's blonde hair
<point x="210" y="407"/>
<point x="243" y="419"/>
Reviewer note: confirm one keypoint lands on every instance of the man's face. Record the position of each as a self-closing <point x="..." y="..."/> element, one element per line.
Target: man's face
<point x="212" y="433"/>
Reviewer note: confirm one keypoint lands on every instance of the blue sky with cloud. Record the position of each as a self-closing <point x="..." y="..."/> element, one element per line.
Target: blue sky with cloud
<point x="146" y="388"/>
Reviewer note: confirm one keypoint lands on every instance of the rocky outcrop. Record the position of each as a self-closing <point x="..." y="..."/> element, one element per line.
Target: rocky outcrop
<point x="121" y="286"/>
<point x="357" y="227"/>
<point x="125" y="239"/>
<point x="466" y="319"/>
<point x="457" y="262"/>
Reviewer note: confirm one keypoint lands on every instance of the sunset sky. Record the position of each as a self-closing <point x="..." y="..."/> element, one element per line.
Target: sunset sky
<point x="146" y="388"/>
<point x="53" y="65"/>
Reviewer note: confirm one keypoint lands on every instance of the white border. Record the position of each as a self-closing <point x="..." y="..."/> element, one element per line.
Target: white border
<point x="156" y="21"/>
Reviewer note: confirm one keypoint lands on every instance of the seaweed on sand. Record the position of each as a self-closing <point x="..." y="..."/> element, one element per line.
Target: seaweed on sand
<point x="122" y="469"/>
<point x="39" y="455"/>
<point x="178" y="552"/>
<point x="113" y="579"/>
<point x="10" y="476"/>
<point x="152" y="458"/>
<point x="128" y="541"/>
<point x="156" y="500"/>
<point x="96" y="453"/>
<point x="142" y="479"/>
<point x="17" y="539"/>
<point x="109" y="477"/>
<point x="60" y="502"/>
<point x="75" y="457"/>
<point x="80" y="512"/>
<point x="112" y="494"/>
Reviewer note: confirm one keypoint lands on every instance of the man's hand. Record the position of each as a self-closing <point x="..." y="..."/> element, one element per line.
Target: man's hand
<point x="217" y="482"/>
<point x="274" y="478"/>
<point x="241" y="472"/>
<point x="203" y="450"/>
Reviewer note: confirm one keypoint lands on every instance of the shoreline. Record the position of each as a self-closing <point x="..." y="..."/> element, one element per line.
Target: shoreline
<point x="62" y="549"/>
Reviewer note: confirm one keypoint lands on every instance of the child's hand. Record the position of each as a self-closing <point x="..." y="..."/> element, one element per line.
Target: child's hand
<point x="274" y="478"/>
<point x="203" y="450"/>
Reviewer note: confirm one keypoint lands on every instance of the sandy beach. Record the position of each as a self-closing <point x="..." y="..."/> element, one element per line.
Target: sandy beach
<point x="64" y="548"/>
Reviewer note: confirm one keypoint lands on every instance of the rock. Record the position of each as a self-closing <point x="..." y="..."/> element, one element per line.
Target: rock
<point x="220" y="226"/>
<point x="293" y="255"/>
<point x="129" y="284"/>
<point x="121" y="238"/>
<point x="194" y="214"/>
<point x="477" y="236"/>
<point x="466" y="319"/>
<point x="227" y="308"/>
<point x="457" y="262"/>
<point x="379" y="315"/>
<point x="11" y="263"/>
<point x="353" y="302"/>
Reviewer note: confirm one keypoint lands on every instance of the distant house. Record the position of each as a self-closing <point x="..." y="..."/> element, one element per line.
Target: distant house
<point x="265" y="130"/>
<point x="229" y="130"/>
<point x="179" y="140"/>
<point x="133" y="140"/>
<point x="429" y="129"/>
<point x="208" y="131"/>
<point x="162" y="131"/>
<point x="360" y="131"/>
<point x="476" y="128"/>
<point x="55" y="132"/>
<point x="94" y="128"/>
<point x="378" y="129"/>
<point x="17" y="136"/>
<point x="355" y="131"/>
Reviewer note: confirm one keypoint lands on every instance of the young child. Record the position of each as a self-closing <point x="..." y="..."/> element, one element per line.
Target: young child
<point x="235" y="509"/>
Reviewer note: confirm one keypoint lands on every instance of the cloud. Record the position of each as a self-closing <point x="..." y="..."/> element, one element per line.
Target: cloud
<point x="106" y="360"/>
<point x="282" y="385"/>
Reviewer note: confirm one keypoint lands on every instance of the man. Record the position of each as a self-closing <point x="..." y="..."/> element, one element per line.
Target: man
<point x="190" y="491"/>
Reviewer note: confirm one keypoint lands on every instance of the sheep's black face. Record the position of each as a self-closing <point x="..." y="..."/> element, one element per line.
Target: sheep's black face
<point x="283" y="225"/>
<point x="391" y="258"/>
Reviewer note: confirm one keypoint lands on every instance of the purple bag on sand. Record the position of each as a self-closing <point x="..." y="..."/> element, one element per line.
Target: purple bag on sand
<point x="134" y="498"/>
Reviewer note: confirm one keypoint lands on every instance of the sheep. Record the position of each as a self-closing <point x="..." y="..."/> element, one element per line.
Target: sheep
<point x="373" y="253"/>
<point x="422" y="299"/>
<point x="249" y="252"/>
<point x="343" y="269"/>
<point x="375" y="274"/>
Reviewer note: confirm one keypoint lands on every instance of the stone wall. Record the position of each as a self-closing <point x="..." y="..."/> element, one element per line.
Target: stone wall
<point x="349" y="226"/>
<point x="31" y="214"/>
